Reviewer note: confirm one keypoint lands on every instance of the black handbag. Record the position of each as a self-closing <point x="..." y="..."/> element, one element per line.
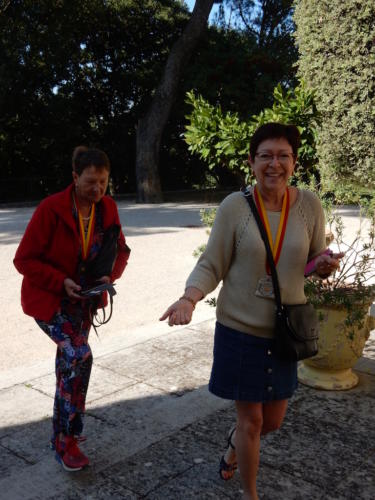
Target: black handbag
<point x="296" y="326"/>
<point x="101" y="265"/>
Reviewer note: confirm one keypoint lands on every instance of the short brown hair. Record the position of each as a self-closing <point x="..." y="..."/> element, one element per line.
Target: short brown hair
<point x="84" y="157"/>
<point x="275" y="130"/>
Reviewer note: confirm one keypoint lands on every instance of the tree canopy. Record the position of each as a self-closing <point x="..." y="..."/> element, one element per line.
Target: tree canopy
<point x="84" y="72"/>
<point x="78" y="72"/>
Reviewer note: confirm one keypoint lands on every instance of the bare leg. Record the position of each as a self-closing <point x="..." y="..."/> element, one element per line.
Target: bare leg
<point x="273" y="415"/>
<point x="254" y="420"/>
<point x="248" y="430"/>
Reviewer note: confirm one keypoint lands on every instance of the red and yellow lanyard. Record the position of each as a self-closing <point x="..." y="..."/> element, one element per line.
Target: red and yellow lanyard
<point x="277" y="246"/>
<point x="86" y="236"/>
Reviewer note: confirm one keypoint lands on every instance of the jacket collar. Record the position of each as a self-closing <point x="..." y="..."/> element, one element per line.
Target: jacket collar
<point x="62" y="206"/>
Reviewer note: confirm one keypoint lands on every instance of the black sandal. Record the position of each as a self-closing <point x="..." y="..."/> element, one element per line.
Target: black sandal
<point x="224" y="466"/>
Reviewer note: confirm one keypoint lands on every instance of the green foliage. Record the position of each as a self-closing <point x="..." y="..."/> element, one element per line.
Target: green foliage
<point x="78" y="72"/>
<point x="223" y="139"/>
<point x="216" y="137"/>
<point x="211" y="302"/>
<point x="351" y="193"/>
<point x="269" y="23"/>
<point x="352" y="286"/>
<point x="84" y="72"/>
<point x="198" y="251"/>
<point x="208" y="216"/>
<point x="337" y="58"/>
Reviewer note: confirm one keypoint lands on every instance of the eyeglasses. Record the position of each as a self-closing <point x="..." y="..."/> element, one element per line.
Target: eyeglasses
<point x="268" y="157"/>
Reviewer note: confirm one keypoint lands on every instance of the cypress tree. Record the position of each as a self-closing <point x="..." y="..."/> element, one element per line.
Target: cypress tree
<point x="336" y="43"/>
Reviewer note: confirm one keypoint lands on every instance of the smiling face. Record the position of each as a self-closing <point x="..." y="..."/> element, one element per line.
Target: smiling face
<point x="273" y="164"/>
<point x="91" y="185"/>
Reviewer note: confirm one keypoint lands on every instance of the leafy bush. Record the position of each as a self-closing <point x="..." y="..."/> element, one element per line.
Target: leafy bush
<point x="207" y="216"/>
<point x="336" y="43"/>
<point x="351" y="287"/>
<point x="223" y="139"/>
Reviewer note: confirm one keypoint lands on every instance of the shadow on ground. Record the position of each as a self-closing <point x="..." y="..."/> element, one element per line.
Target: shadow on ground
<point x="155" y="432"/>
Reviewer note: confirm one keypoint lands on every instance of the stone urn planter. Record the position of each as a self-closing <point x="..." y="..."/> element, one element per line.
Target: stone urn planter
<point x="342" y="301"/>
<point x="340" y="348"/>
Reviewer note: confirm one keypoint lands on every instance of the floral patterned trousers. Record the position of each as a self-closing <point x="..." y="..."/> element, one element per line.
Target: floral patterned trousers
<point x="69" y="329"/>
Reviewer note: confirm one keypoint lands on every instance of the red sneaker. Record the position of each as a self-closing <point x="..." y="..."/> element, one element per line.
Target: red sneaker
<point x="69" y="455"/>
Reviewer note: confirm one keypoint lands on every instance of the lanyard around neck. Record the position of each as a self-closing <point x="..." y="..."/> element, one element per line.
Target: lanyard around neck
<point x="277" y="246"/>
<point x="86" y="236"/>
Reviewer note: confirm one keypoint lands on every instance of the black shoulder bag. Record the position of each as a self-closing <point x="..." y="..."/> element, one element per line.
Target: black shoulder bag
<point x="102" y="265"/>
<point x="296" y="326"/>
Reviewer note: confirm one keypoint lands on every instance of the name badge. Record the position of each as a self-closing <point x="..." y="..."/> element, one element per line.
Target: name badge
<point x="265" y="288"/>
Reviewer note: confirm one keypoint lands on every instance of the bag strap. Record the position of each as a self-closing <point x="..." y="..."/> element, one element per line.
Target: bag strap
<point x="264" y="236"/>
<point x="95" y="319"/>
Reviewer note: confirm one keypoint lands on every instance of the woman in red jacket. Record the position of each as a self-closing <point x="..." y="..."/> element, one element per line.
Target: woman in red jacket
<point x="63" y="236"/>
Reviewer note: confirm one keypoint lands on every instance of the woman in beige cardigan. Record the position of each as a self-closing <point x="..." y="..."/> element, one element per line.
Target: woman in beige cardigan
<point x="245" y="368"/>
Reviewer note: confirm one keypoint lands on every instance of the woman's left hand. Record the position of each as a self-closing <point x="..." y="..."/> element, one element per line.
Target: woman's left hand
<point x="327" y="264"/>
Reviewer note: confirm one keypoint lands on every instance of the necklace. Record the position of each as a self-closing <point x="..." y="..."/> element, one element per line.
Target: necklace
<point x="77" y="210"/>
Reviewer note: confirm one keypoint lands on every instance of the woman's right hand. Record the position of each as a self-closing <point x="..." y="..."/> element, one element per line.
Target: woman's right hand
<point x="179" y="313"/>
<point x="72" y="289"/>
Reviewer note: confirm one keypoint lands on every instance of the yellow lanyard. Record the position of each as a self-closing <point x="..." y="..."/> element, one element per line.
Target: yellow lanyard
<point x="275" y="247"/>
<point x="86" y="237"/>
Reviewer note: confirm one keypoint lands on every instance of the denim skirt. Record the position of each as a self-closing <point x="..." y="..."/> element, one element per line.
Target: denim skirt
<point x="245" y="368"/>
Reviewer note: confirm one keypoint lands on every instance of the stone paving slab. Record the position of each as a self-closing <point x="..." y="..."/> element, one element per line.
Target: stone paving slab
<point x="185" y="465"/>
<point x="109" y="443"/>
<point x="167" y="466"/>
<point x="102" y="383"/>
<point x="175" y="363"/>
<point x="127" y="406"/>
<point x="326" y="436"/>
<point x="196" y="340"/>
<point x="139" y="362"/>
<point x="181" y="379"/>
<point x="161" y="354"/>
<point x="10" y="462"/>
<point x="328" y="459"/>
<point x="360" y="482"/>
<point x="276" y="485"/>
<point x="28" y="442"/>
<point x="31" y="406"/>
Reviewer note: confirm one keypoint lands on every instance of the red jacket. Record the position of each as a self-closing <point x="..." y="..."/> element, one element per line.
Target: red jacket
<point x="48" y="253"/>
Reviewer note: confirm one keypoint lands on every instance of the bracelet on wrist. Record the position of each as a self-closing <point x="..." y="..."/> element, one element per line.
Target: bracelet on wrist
<point x="189" y="299"/>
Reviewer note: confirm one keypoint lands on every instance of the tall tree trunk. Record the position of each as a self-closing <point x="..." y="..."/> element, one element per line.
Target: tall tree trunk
<point x="150" y="127"/>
